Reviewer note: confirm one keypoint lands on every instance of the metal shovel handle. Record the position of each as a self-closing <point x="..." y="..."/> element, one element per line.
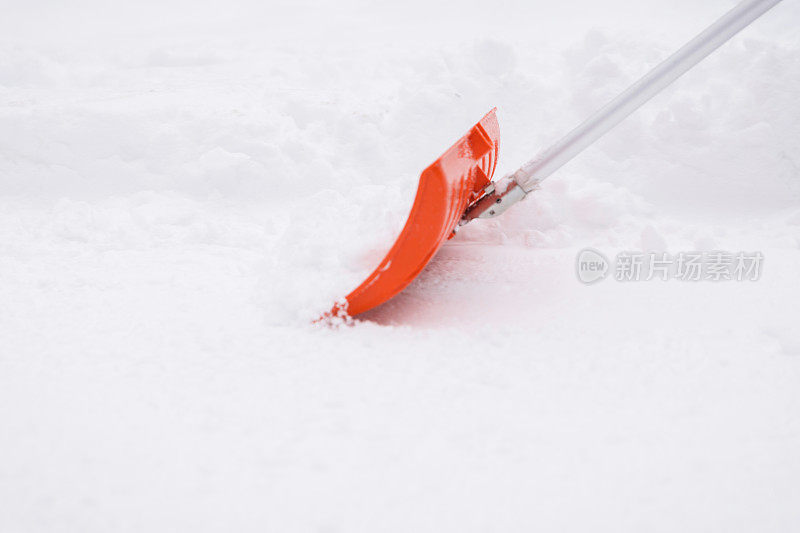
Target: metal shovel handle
<point x="515" y="186"/>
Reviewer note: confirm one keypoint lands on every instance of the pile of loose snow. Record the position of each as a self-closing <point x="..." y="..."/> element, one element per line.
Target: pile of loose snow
<point x="184" y="188"/>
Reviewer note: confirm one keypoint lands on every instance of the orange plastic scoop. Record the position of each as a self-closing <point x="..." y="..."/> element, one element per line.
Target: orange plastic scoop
<point x="445" y="189"/>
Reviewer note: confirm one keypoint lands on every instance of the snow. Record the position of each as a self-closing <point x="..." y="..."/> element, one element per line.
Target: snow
<point x="185" y="186"/>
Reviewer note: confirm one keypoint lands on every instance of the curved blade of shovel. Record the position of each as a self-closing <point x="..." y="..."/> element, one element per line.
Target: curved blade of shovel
<point x="445" y="190"/>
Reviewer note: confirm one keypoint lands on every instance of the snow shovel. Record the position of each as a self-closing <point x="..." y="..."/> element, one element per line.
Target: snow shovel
<point x="457" y="187"/>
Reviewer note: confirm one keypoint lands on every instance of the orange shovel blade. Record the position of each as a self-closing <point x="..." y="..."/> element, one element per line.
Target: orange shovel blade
<point x="445" y="190"/>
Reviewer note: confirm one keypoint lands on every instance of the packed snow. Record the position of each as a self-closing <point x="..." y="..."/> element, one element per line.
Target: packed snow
<point x="185" y="187"/>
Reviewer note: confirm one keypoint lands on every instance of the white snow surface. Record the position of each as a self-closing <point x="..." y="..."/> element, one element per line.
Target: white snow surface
<point x="185" y="186"/>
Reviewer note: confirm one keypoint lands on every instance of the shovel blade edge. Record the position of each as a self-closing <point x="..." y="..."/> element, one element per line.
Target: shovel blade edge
<point x="445" y="189"/>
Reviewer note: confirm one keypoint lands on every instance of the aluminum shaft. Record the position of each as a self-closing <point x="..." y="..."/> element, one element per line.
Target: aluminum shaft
<point x="574" y="142"/>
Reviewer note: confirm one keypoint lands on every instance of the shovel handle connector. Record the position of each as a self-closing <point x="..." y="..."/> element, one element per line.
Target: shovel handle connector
<point x="494" y="200"/>
<point x="527" y="178"/>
